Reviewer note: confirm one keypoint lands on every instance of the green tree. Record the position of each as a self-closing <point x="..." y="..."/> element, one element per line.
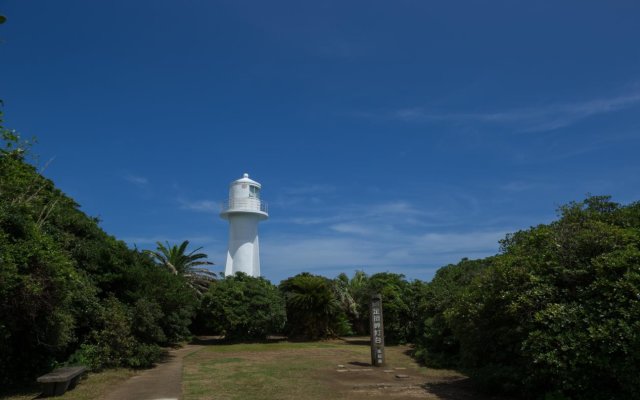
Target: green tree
<point x="436" y="345"/>
<point x="344" y="295"/>
<point x="395" y="291"/>
<point x="242" y="307"/>
<point x="178" y="262"/>
<point x="358" y="287"/>
<point x="68" y="288"/>
<point x="38" y="282"/>
<point x="313" y="310"/>
<point x="558" y="313"/>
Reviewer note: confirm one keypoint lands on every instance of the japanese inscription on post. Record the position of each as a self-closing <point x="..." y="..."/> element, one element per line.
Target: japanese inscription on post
<point x="377" y="331"/>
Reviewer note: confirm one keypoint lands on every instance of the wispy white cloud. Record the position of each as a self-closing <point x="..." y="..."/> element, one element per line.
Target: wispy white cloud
<point x="394" y="235"/>
<point x="315" y="193"/>
<point x="529" y="119"/>
<point x="406" y="250"/>
<point x="395" y="207"/>
<point x="206" y="206"/>
<point x="328" y="219"/>
<point x="357" y="229"/>
<point x="460" y="243"/>
<point x="351" y="228"/>
<point x="136" y="180"/>
<point x="350" y="212"/>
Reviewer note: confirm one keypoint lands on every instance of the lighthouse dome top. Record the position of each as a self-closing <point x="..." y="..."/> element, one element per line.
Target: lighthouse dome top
<point x="244" y="198"/>
<point x="246" y="180"/>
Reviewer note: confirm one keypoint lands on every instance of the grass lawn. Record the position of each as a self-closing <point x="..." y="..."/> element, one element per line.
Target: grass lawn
<point x="334" y="370"/>
<point x="93" y="386"/>
<point x="320" y="370"/>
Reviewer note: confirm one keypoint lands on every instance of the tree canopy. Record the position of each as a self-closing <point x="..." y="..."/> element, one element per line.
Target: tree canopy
<point x="557" y="313"/>
<point x="242" y="307"/>
<point x="69" y="291"/>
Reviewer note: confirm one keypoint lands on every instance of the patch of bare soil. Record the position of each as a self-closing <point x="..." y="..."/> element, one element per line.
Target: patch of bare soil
<point x="401" y="378"/>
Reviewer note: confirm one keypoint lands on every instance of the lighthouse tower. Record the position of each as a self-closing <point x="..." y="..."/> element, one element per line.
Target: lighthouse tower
<point x="244" y="210"/>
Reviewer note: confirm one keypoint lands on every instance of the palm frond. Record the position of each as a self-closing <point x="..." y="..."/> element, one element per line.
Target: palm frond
<point x="174" y="259"/>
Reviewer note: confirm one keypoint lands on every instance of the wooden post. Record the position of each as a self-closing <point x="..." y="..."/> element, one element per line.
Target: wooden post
<point x="376" y="326"/>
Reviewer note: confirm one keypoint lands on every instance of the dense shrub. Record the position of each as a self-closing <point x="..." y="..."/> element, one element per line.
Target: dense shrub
<point x="242" y="307"/>
<point x="399" y="301"/>
<point x="558" y="312"/>
<point x="313" y="308"/>
<point x="396" y="294"/>
<point x="67" y="288"/>
<point x="436" y="345"/>
<point x="38" y="286"/>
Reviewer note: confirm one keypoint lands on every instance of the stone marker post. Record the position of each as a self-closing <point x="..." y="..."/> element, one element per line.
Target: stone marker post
<point x="377" y="331"/>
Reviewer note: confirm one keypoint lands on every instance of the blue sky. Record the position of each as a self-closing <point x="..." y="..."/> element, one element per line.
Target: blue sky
<point x="388" y="136"/>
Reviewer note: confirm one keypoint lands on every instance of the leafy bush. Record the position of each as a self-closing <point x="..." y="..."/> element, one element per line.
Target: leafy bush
<point x="395" y="291"/>
<point x="313" y="309"/>
<point x="112" y="342"/>
<point x="242" y="307"/>
<point x="436" y="345"/>
<point x="556" y="314"/>
<point x="38" y="285"/>
<point x="67" y="288"/>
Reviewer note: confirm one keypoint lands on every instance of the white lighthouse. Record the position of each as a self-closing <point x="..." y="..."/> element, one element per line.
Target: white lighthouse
<point x="244" y="210"/>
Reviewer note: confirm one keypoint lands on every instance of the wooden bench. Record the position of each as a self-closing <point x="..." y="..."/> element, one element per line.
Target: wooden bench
<point x="57" y="382"/>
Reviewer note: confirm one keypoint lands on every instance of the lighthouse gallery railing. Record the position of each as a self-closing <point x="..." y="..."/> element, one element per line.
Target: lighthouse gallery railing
<point x="244" y="205"/>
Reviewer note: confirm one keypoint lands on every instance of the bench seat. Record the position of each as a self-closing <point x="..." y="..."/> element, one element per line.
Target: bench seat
<point x="60" y="380"/>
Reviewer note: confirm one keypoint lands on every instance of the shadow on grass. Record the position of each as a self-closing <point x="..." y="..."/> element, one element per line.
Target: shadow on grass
<point x="220" y="340"/>
<point x="433" y="364"/>
<point x="360" y="364"/>
<point x="357" y="340"/>
<point x="31" y="391"/>
<point x="460" y="389"/>
<point x="451" y="389"/>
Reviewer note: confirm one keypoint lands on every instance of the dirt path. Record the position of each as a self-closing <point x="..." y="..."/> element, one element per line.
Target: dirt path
<point x="164" y="382"/>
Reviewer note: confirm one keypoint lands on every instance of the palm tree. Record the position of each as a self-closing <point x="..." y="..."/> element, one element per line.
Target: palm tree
<point x="312" y="308"/>
<point x="358" y="287"/>
<point x="345" y="297"/>
<point x="175" y="259"/>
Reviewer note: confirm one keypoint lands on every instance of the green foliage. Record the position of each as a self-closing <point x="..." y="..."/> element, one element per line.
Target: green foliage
<point x="395" y="291"/>
<point x="313" y="308"/>
<point x="146" y="317"/>
<point x="557" y="314"/>
<point x="399" y="299"/>
<point x="358" y="287"/>
<point x="176" y="301"/>
<point x="38" y="284"/>
<point x="112" y="342"/>
<point x="66" y="287"/>
<point x="242" y="307"/>
<point x="436" y="345"/>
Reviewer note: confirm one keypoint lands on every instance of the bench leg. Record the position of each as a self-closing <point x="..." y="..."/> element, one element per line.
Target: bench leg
<point x="73" y="382"/>
<point x="54" y="388"/>
<point x="61" y="387"/>
<point x="48" y="389"/>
